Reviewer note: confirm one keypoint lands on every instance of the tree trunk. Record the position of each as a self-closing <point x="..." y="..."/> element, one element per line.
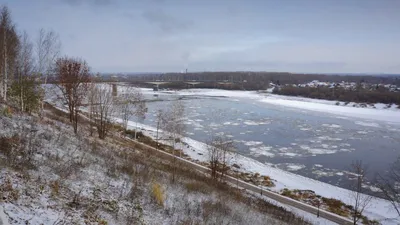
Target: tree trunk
<point x="136" y="130"/>
<point x="75" y="121"/>
<point x="5" y="78"/>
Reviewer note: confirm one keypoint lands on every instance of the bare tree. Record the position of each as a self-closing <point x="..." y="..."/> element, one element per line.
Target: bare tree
<point x="389" y="185"/>
<point x="25" y="90"/>
<point x="73" y="81"/>
<point x="132" y="103"/>
<point x="8" y="49"/>
<point x="125" y="110"/>
<point x="220" y="151"/>
<point x="159" y="116"/>
<point x="47" y="51"/>
<point x="172" y="122"/>
<point x="360" y="198"/>
<point x="92" y="102"/>
<point x="140" y="108"/>
<point x="103" y="109"/>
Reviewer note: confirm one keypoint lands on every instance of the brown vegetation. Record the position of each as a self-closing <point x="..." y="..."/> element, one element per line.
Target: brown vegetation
<point x="380" y="95"/>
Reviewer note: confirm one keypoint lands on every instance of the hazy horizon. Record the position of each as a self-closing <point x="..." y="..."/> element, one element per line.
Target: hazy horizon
<point x="332" y="36"/>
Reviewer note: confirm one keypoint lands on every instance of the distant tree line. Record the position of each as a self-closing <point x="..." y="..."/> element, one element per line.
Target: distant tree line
<point x="380" y="95"/>
<point x="262" y="78"/>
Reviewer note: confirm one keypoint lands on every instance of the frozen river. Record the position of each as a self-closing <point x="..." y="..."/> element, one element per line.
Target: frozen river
<point x="317" y="145"/>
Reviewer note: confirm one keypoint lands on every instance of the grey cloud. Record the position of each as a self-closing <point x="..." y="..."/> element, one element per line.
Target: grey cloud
<point x="165" y="21"/>
<point x="186" y="56"/>
<point x="91" y="2"/>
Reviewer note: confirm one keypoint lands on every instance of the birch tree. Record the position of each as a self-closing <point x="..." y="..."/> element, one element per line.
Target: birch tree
<point x="132" y="103"/>
<point x="24" y="90"/>
<point x="140" y="108"/>
<point x="103" y="109"/>
<point x="47" y="49"/>
<point x="173" y="123"/>
<point x="73" y="81"/>
<point x="8" y="49"/>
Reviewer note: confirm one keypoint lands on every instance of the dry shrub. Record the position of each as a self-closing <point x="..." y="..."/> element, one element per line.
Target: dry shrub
<point x="8" y="144"/>
<point x="197" y="186"/>
<point x="336" y="206"/>
<point x="157" y="193"/>
<point x="8" y="192"/>
<point x="7" y="111"/>
<point x="55" y="188"/>
<point x="102" y="222"/>
<point x="214" y="209"/>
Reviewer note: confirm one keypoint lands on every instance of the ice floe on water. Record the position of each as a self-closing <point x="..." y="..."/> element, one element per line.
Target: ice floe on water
<point x="362" y="132"/>
<point x="261" y="151"/>
<point x="214" y="125"/>
<point x="250" y="123"/>
<point x="289" y="154"/>
<point x="252" y="143"/>
<point x="291" y="166"/>
<point x="320" y="173"/>
<point x="318" y="151"/>
<point x="256" y="123"/>
<point x="318" y="165"/>
<point x="331" y="125"/>
<point x="367" y="124"/>
<point x="231" y="124"/>
<point x="327" y="138"/>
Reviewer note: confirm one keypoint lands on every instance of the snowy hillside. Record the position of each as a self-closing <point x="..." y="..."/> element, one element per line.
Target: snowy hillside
<point x="48" y="175"/>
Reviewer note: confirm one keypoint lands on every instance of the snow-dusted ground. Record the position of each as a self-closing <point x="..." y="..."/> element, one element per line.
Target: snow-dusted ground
<point x="3" y="217"/>
<point x="91" y="187"/>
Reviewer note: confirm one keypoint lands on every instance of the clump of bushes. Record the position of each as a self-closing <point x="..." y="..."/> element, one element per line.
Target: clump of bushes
<point x="7" y="112"/>
<point x="8" y="192"/>
<point x="336" y="206"/>
<point x="19" y="149"/>
<point x="157" y="193"/>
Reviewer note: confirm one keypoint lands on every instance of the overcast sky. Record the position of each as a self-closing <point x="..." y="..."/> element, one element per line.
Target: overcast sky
<point x="331" y="36"/>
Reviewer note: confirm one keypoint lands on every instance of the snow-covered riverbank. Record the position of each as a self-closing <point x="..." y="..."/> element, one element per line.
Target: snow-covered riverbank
<point x="381" y="112"/>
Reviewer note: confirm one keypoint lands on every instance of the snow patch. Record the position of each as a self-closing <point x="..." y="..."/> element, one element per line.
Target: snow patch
<point x="331" y="125"/>
<point x="252" y="143"/>
<point x="262" y="150"/>
<point x="367" y="124"/>
<point x="295" y="167"/>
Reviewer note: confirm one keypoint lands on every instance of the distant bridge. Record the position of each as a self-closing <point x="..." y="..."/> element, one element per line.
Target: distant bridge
<point x="156" y="84"/>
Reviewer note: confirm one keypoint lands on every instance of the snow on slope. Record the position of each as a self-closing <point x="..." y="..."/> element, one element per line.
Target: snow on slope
<point x="3" y="218"/>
